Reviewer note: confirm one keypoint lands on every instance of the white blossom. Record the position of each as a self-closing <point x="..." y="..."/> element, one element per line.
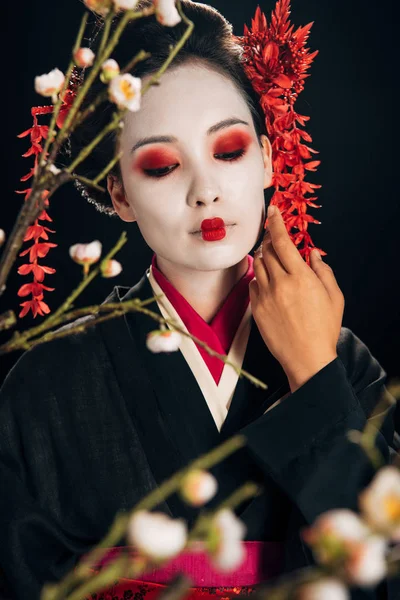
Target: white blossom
<point x="156" y="535"/>
<point x="198" y="487"/>
<point x="166" y="12"/>
<point x="225" y="543"/>
<point x="110" y="268"/>
<point x="84" y="57"/>
<point x="101" y="7"/>
<point x="109" y="69"/>
<point x="380" y="502"/>
<point x="86" y="254"/>
<point x="53" y="169"/>
<point x="125" y="91"/>
<point x="327" y="588"/>
<point x="50" y="84"/>
<point x="2" y="237"/>
<point x="125" y="4"/>
<point x="367" y="562"/>
<point x="341" y="537"/>
<point x="163" y="341"/>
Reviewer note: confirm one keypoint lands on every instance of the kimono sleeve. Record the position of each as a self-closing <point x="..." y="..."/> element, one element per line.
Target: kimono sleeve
<point x="302" y="442"/>
<point x="34" y="546"/>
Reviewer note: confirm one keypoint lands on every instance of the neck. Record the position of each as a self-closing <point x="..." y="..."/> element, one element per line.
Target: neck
<point x="204" y="290"/>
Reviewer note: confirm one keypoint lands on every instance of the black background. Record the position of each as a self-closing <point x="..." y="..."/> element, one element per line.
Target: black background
<point x="350" y="98"/>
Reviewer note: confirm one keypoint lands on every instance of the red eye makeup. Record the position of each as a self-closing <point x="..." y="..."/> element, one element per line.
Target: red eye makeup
<point x="160" y="161"/>
<point x="232" y="141"/>
<point x="155" y="158"/>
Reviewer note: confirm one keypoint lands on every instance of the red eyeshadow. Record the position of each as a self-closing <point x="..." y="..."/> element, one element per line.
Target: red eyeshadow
<point x="156" y="158"/>
<point x="231" y="141"/>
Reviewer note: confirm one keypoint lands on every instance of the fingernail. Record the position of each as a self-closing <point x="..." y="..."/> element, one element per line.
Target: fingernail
<point x="317" y="254"/>
<point x="271" y="211"/>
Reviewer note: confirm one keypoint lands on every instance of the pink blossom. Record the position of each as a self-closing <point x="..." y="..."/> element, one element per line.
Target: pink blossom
<point x="198" y="487"/>
<point x="163" y="341"/>
<point x="166" y="12"/>
<point x="84" y="57"/>
<point x="50" y="84"/>
<point x="86" y="253"/>
<point x="156" y="535"/>
<point x="110" y="268"/>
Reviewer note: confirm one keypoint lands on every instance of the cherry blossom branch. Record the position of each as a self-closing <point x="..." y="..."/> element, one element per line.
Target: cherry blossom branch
<point x="120" y="524"/>
<point x="59" y="102"/>
<point x="34" y="205"/>
<point x="20" y="340"/>
<point x="103" y="96"/>
<point x="175" y="326"/>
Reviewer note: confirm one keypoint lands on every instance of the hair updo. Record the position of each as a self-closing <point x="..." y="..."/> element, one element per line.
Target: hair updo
<point x="210" y="44"/>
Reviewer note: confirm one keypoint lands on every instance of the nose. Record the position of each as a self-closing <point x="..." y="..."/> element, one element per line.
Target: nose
<point x="203" y="191"/>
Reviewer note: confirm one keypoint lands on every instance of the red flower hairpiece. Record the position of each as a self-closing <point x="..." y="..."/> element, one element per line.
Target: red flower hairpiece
<point x="38" y="232"/>
<point x="275" y="59"/>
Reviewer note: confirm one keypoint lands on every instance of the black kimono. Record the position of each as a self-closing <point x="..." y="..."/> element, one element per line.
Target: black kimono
<point x="92" y="422"/>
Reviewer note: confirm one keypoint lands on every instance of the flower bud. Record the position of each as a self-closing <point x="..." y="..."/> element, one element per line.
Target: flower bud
<point x="50" y="84"/>
<point x="225" y="541"/>
<point x="125" y="4"/>
<point x="109" y="69"/>
<point x="86" y="254"/>
<point x="101" y="7"/>
<point x="198" y="487"/>
<point x="110" y="268"/>
<point x="156" y="535"/>
<point x="163" y="341"/>
<point x="166" y="12"/>
<point x="84" y="57"/>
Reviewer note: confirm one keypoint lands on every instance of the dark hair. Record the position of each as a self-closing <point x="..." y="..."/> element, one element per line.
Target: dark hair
<point x="210" y="43"/>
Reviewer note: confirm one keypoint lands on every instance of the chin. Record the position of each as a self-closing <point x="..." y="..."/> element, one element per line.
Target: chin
<point x="220" y="258"/>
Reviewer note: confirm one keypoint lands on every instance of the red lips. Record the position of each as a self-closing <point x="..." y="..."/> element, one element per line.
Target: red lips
<point x="210" y="224"/>
<point x="213" y="230"/>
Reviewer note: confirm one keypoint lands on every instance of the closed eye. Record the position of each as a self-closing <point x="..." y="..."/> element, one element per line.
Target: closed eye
<point x="163" y="171"/>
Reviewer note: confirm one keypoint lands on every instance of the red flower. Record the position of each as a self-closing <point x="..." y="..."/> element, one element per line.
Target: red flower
<point x="276" y="59"/>
<point x="37" y="231"/>
<point x="36" y="305"/>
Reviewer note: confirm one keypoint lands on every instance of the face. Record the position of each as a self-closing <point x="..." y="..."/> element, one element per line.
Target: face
<point x="207" y="163"/>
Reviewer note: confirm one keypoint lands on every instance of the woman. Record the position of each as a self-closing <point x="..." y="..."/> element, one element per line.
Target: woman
<point x="92" y="422"/>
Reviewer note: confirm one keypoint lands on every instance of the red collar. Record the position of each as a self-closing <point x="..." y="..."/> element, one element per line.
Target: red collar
<point x="220" y="332"/>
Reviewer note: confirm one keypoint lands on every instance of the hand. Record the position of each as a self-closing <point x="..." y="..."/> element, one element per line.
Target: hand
<point x="297" y="308"/>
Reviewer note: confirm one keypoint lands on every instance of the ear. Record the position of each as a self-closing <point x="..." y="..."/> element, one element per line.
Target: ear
<point x="267" y="160"/>
<point x="120" y="203"/>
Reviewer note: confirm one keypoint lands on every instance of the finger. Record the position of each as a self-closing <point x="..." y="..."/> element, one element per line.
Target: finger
<point x="254" y="292"/>
<point x="275" y="268"/>
<point x="326" y="275"/>
<point x="285" y="249"/>
<point x="260" y="271"/>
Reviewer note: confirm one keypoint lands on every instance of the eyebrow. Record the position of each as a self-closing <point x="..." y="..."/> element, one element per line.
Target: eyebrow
<point x="170" y="138"/>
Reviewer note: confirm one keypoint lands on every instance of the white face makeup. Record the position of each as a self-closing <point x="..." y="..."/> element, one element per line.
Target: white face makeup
<point x="208" y="170"/>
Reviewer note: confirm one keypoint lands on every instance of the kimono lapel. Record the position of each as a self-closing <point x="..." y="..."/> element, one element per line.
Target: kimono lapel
<point x="217" y="396"/>
<point x="180" y="402"/>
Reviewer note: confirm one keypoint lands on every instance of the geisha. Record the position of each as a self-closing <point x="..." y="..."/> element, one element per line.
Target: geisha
<point x="92" y="422"/>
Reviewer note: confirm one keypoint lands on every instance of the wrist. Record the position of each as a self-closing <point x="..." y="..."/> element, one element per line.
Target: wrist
<point x="299" y="375"/>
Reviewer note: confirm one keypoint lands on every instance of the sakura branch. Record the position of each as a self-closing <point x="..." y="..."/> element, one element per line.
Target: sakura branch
<point x="55" y="85"/>
<point x="173" y="535"/>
